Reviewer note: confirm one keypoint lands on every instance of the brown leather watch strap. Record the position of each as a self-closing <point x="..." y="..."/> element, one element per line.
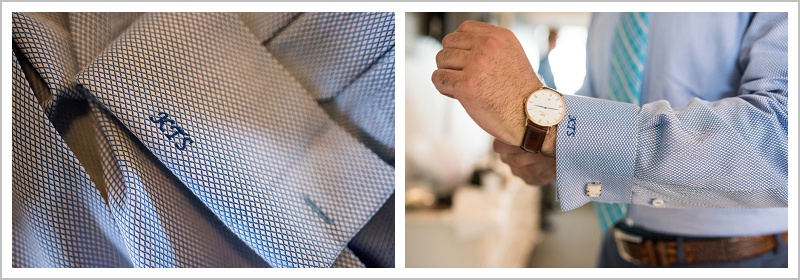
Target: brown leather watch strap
<point x="534" y="137"/>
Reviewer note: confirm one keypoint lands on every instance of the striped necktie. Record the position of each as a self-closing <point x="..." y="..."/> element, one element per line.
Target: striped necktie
<point x="625" y="85"/>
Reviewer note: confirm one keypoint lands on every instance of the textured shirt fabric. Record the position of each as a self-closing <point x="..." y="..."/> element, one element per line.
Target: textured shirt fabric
<point x="216" y="148"/>
<point x="710" y="138"/>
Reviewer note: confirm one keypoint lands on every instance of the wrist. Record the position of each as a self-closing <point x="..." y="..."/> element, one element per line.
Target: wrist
<point x="516" y="134"/>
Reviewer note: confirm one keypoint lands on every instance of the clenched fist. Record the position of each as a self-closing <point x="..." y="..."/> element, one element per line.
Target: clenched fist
<point x="484" y="67"/>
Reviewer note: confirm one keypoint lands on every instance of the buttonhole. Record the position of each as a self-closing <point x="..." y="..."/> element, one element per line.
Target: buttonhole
<point x="317" y="209"/>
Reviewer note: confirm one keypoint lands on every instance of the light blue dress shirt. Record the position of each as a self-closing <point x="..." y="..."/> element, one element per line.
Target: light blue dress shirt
<point x="706" y="153"/>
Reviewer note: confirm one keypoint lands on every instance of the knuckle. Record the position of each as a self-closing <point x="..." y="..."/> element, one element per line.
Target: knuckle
<point x="492" y="41"/>
<point x="449" y="38"/>
<point x="454" y="39"/>
<point x="436" y="77"/>
<point x="449" y="54"/>
<point x="439" y="77"/>
<point x="466" y="24"/>
<point x="483" y="60"/>
<point x="442" y="79"/>
<point x="440" y="56"/>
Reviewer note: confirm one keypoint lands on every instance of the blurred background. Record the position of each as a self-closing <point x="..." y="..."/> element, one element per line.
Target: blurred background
<point x="464" y="208"/>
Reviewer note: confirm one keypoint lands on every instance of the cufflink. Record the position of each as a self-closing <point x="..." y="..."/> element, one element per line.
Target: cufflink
<point x="657" y="202"/>
<point x="594" y="189"/>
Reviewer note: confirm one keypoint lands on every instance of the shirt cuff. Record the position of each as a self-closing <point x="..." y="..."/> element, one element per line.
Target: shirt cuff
<point x="595" y="144"/>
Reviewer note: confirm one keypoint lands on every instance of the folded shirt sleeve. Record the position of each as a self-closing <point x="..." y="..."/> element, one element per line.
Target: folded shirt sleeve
<point x="729" y="153"/>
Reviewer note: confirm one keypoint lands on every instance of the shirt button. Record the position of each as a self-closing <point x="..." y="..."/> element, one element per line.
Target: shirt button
<point x="629" y="222"/>
<point x="594" y="189"/>
<point x="657" y="202"/>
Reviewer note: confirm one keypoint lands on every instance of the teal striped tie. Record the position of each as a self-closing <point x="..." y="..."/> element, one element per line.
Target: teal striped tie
<point x="625" y="85"/>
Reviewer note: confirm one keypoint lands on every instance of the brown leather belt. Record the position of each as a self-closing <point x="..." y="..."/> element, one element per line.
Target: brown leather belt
<point x="664" y="252"/>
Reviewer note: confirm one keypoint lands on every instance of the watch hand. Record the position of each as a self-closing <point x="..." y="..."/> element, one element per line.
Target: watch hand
<point x="546" y="107"/>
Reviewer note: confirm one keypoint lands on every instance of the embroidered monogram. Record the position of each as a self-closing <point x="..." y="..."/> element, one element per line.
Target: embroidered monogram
<point x="165" y="124"/>
<point x="571" y="126"/>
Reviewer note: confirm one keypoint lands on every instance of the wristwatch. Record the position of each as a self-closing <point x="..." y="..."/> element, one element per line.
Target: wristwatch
<point x="545" y="108"/>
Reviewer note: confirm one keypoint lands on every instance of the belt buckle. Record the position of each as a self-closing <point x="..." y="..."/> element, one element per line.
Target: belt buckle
<point x="619" y="237"/>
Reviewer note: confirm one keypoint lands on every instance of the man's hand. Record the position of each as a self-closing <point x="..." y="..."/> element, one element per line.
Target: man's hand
<point x="535" y="169"/>
<point x="485" y="69"/>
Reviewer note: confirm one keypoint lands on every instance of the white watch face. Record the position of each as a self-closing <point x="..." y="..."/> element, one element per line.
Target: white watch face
<point x="545" y="107"/>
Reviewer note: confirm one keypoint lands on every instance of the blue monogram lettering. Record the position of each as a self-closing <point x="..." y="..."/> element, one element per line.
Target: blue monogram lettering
<point x="161" y="121"/>
<point x="165" y="124"/>
<point x="572" y="125"/>
<point x="182" y="146"/>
